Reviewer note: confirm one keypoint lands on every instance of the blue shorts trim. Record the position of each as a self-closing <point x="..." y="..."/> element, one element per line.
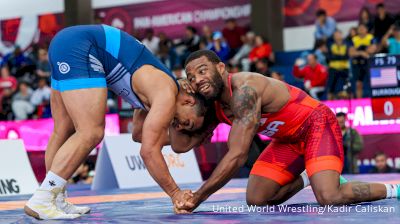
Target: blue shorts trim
<point x="73" y="84"/>
<point x="113" y="40"/>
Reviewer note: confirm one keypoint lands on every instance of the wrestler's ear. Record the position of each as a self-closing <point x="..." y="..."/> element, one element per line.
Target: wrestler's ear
<point x="189" y="99"/>
<point x="220" y="68"/>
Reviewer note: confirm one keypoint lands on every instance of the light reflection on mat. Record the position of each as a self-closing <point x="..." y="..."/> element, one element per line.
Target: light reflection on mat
<point x="150" y="205"/>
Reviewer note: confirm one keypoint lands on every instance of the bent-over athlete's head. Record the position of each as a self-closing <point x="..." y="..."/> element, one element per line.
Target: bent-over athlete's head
<point x="190" y="112"/>
<point x="204" y="71"/>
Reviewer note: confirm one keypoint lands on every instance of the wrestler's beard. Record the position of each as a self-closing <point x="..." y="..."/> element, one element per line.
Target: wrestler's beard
<point x="218" y="87"/>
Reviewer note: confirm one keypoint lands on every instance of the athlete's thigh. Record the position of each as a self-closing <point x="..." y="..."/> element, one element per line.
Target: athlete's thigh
<point x="62" y="121"/>
<point x="86" y="107"/>
<point x="278" y="165"/>
<point x="323" y="143"/>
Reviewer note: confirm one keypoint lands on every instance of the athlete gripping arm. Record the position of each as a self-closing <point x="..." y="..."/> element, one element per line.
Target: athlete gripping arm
<point x="161" y="97"/>
<point x="246" y="106"/>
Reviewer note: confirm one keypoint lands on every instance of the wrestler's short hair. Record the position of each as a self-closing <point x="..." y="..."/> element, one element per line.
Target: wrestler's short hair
<point x="210" y="55"/>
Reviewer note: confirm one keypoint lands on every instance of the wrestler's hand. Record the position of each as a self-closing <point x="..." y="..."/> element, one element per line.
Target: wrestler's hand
<point x="181" y="198"/>
<point x="184" y="84"/>
<point x="185" y="208"/>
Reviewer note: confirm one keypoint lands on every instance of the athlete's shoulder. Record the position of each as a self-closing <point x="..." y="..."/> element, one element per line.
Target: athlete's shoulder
<point x="241" y="77"/>
<point x="248" y="78"/>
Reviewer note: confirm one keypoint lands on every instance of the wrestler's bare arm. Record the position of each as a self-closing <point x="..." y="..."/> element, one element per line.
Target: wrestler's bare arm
<point x="138" y="119"/>
<point x="158" y="92"/>
<point x="137" y="124"/>
<point x="246" y="106"/>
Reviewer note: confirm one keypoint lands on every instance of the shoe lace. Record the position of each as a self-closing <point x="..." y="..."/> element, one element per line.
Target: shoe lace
<point x="53" y="204"/>
<point x="66" y="203"/>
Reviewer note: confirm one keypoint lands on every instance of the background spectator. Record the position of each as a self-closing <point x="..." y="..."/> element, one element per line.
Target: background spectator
<point x="363" y="46"/>
<point x="352" y="144"/>
<point x="6" y="105"/>
<point x="178" y="71"/>
<point x="42" y="65"/>
<point x="166" y="52"/>
<point x="41" y="98"/>
<point x="234" y="68"/>
<point x="338" y="64"/>
<point x="33" y="52"/>
<point x="277" y="75"/>
<point x="382" y="22"/>
<point x="7" y="81"/>
<point x="325" y="26"/>
<point x="206" y="39"/>
<point x="190" y="43"/>
<point x="192" y="40"/>
<point x="220" y="47"/>
<point x="17" y="62"/>
<point x="262" y="67"/>
<point x="352" y="33"/>
<point x="83" y="175"/>
<point x="241" y="57"/>
<point x="392" y="43"/>
<point x="314" y="75"/>
<point x="233" y="35"/>
<point x="381" y="165"/>
<point x="364" y="17"/>
<point x="21" y="105"/>
<point x="320" y="51"/>
<point x="262" y="49"/>
<point x="151" y="41"/>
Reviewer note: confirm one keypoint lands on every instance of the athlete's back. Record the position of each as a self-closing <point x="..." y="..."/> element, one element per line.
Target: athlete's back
<point x="93" y="56"/>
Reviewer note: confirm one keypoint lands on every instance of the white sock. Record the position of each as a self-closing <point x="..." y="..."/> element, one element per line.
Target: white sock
<point x="306" y="181"/>
<point x="391" y="190"/>
<point x="52" y="181"/>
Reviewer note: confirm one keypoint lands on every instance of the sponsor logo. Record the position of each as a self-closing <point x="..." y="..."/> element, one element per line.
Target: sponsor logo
<point x="9" y="186"/>
<point x="135" y="162"/>
<point x="96" y="65"/>
<point x="117" y="17"/>
<point x="63" y="67"/>
<point x="172" y="160"/>
<point x="123" y="92"/>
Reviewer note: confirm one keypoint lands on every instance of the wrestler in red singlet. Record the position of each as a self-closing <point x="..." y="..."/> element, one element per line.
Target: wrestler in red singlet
<point x="305" y="134"/>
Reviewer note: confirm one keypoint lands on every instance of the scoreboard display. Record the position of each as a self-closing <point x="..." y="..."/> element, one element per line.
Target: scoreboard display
<point x="385" y="86"/>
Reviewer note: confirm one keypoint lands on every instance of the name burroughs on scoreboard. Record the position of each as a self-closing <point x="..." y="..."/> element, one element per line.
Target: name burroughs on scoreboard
<point x="385" y="89"/>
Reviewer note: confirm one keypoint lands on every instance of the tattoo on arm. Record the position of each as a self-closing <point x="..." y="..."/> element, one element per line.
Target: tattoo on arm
<point x="244" y="106"/>
<point x="361" y="191"/>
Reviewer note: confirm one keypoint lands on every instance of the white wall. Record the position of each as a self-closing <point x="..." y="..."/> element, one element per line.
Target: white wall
<point x="10" y="9"/>
<point x="302" y="38"/>
<point x="108" y="3"/>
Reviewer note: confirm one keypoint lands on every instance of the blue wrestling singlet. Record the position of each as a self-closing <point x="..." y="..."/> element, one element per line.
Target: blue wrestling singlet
<point x="99" y="56"/>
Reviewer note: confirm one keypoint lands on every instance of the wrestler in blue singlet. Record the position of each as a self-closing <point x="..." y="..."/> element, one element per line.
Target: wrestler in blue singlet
<point x="99" y="56"/>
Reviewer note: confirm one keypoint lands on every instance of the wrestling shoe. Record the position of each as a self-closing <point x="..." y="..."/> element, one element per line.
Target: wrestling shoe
<point x="42" y="206"/>
<point x="68" y="207"/>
